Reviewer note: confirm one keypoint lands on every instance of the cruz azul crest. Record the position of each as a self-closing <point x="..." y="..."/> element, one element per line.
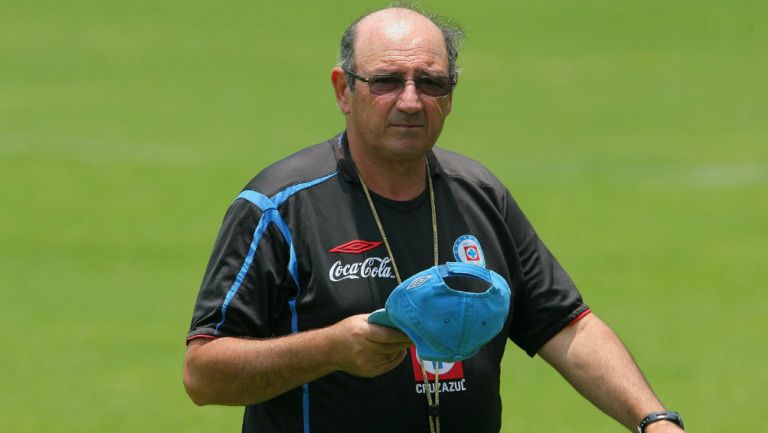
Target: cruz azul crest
<point x="467" y="249"/>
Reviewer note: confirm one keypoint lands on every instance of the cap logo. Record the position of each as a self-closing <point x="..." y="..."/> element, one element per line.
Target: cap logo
<point x="467" y="249"/>
<point x="418" y="282"/>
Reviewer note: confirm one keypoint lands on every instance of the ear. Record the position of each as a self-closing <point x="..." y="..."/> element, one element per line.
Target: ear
<point x="340" y="89"/>
<point x="449" y="103"/>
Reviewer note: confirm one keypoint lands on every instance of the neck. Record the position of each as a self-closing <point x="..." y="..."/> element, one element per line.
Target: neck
<point x="400" y="179"/>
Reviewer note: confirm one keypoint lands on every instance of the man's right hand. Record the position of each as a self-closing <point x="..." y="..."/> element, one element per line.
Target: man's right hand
<point x="237" y="371"/>
<point x="367" y="350"/>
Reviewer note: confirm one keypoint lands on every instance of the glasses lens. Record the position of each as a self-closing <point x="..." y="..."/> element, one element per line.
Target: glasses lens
<point x="430" y="86"/>
<point x="383" y="84"/>
<point x="434" y="86"/>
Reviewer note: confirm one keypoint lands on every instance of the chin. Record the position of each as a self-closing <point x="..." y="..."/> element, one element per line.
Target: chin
<point x="409" y="148"/>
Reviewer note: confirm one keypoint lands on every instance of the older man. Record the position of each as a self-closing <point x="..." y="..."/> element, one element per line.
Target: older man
<point x="318" y="241"/>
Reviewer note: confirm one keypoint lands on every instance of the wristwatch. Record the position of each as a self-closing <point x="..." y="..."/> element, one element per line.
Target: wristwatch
<point x="658" y="416"/>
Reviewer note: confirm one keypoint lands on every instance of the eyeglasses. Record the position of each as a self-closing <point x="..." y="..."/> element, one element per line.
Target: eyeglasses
<point x="429" y="85"/>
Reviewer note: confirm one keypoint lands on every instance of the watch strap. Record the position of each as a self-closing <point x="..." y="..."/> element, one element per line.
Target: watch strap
<point x="659" y="416"/>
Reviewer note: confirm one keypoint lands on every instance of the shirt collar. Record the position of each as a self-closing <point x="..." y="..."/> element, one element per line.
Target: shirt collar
<point x="347" y="166"/>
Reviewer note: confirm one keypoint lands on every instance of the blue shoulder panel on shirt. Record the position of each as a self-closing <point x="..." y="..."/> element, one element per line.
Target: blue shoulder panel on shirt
<point x="263" y="202"/>
<point x="285" y="194"/>
<point x="270" y="214"/>
<point x="257" y="234"/>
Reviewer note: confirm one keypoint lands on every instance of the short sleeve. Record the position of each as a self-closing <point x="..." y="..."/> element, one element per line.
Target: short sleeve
<point x="246" y="286"/>
<point x="549" y="300"/>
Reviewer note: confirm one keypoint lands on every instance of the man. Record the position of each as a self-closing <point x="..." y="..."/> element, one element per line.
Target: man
<point x="318" y="241"/>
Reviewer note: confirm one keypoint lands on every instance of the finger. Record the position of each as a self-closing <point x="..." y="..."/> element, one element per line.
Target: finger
<point x="390" y="347"/>
<point x="383" y="334"/>
<point x="398" y="357"/>
<point x="393" y="361"/>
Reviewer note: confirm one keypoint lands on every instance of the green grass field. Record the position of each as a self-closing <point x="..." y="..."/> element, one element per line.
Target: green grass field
<point x="634" y="135"/>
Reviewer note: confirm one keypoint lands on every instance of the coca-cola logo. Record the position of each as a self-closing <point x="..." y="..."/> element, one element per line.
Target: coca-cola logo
<point x="373" y="267"/>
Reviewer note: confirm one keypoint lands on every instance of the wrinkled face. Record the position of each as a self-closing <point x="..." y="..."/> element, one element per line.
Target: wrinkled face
<point x="404" y="124"/>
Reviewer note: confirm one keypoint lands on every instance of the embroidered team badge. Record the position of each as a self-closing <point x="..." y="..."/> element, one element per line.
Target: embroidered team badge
<point x="467" y="249"/>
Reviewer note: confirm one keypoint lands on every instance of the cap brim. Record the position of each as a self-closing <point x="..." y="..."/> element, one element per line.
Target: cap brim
<point x="381" y="317"/>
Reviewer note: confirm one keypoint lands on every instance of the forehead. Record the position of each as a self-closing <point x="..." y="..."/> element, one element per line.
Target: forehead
<point x="400" y="40"/>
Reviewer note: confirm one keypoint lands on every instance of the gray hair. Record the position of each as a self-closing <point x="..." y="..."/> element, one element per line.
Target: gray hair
<point x="452" y="35"/>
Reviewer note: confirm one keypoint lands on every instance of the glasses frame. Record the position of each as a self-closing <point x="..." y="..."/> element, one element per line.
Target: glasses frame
<point x="403" y="81"/>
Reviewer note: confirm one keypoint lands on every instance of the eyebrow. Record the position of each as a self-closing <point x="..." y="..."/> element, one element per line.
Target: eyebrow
<point x="417" y="73"/>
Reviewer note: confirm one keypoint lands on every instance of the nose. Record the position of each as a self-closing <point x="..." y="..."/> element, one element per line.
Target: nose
<point x="409" y="100"/>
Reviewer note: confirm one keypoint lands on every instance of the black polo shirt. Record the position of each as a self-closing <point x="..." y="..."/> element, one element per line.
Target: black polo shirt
<point x="299" y="250"/>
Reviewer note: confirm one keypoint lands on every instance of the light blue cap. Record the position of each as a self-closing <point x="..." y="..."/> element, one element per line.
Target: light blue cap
<point x="445" y="324"/>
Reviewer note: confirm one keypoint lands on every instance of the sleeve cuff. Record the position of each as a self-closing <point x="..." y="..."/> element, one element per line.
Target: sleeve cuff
<point x="576" y="315"/>
<point x="200" y="336"/>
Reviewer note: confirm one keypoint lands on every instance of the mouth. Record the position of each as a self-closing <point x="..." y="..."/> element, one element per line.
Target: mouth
<point x="407" y="126"/>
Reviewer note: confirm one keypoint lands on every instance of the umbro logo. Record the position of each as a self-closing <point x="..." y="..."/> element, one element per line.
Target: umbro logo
<point x="354" y="247"/>
<point x="418" y="282"/>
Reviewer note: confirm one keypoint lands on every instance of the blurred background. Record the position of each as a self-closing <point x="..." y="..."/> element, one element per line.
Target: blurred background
<point x="633" y="134"/>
